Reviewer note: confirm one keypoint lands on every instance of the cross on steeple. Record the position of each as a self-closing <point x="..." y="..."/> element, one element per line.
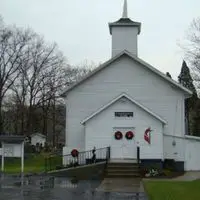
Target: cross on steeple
<point x="125" y="10"/>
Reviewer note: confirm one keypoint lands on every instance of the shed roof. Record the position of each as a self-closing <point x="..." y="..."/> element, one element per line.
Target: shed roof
<point x="12" y="138"/>
<point x="39" y="134"/>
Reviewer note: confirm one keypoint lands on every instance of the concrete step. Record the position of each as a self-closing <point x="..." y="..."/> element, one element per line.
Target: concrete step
<point x="123" y="160"/>
<point x="122" y="175"/>
<point x="125" y="171"/>
<point x="122" y="170"/>
<point x="122" y="167"/>
<point x="123" y="164"/>
<point x="119" y="167"/>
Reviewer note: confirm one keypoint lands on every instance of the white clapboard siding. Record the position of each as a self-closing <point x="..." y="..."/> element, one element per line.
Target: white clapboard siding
<point x="100" y="130"/>
<point x="123" y="76"/>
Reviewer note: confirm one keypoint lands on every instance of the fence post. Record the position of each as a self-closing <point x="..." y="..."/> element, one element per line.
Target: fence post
<point x="45" y="164"/>
<point x="107" y="154"/>
<point x="138" y="154"/>
<point x="50" y="163"/>
<point x="94" y="155"/>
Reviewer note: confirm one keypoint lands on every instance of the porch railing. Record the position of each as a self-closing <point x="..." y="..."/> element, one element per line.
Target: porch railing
<point x="138" y="155"/>
<point x="57" y="162"/>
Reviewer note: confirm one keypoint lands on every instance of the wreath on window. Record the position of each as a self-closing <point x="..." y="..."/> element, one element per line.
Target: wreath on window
<point x="74" y="153"/>
<point x="129" y="135"/>
<point x="118" y="135"/>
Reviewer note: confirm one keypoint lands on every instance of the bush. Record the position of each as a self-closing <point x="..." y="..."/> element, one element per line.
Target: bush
<point x="167" y="172"/>
<point x="28" y="148"/>
<point x="153" y="170"/>
<point x="59" y="167"/>
<point x="169" y="164"/>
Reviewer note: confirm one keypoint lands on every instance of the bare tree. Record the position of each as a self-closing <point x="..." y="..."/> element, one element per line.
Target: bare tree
<point x="33" y="74"/>
<point x="192" y="50"/>
<point x="13" y="42"/>
<point x="58" y="78"/>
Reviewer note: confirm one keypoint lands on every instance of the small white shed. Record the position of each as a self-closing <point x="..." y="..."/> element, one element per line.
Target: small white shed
<point x="38" y="138"/>
<point x="12" y="146"/>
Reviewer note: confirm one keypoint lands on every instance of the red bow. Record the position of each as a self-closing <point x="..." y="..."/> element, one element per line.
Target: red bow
<point x="147" y="136"/>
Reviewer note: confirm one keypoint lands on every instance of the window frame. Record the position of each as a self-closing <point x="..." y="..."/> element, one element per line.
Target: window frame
<point x="123" y="115"/>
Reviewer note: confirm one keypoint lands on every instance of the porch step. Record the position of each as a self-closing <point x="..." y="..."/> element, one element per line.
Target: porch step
<point x="125" y="171"/>
<point x="122" y="175"/>
<point x="122" y="170"/>
<point x="119" y="166"/>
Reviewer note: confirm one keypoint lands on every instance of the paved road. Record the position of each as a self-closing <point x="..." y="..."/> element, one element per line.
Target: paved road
<point x="50" y="188"/>
<point x="121" y="185"/>
<point x="126" y="188"/>
<point x="188" y="176"/>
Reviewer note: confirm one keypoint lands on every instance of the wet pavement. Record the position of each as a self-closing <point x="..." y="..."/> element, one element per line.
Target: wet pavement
<point x="50" y="188"/>
<point x="128" y="185"/>
<point x="188" y="176"/>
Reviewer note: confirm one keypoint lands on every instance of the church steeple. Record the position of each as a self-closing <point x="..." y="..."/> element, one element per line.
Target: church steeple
<point x="125" y="10"/>
<point x="124" y="33"/>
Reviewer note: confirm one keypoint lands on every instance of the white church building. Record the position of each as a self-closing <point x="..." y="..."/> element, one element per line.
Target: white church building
<point x="127" y="96"/>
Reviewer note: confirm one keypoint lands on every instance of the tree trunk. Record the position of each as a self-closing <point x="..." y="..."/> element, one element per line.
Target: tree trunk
<point x="44" y="127"/>
<point x="1" y="119"/>
<point x="54" y="122"/>
<point x="22" y="121"/>
<point x="29" y="121"/>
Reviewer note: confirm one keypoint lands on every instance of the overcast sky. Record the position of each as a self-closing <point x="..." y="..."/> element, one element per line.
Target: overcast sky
<point x="80" y="27"/>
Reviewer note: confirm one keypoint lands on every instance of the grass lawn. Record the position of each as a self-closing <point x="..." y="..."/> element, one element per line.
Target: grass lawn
<point x="173" y="190"/>
<point x="34" y="163"/>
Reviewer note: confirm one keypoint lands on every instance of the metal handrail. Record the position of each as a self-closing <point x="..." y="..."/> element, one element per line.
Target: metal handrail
<point x="56" y="162"/>
<point x="138" y="155"/>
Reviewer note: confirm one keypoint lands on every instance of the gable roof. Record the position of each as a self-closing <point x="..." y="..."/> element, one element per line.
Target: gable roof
<point x="39" y="134"/>
<point x="125" y="22"/>
<point x="12" y="138"/>
<point x="135" y="58"/>
<point x="130" y="99"/>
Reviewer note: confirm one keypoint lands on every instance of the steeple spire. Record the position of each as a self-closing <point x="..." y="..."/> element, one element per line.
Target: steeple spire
<point x="125" y="10"/>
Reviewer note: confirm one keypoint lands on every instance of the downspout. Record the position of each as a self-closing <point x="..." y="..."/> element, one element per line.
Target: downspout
<point x="163" y="134"/>
<point x="84" y="132"/>
<point x="66" y="125"/>
<point x="174" y="128"/>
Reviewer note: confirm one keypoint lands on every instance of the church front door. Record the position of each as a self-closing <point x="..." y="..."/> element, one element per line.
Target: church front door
<point x="123" y="148"/>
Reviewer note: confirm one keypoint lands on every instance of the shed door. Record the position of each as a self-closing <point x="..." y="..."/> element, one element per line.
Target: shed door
<point x="123" y="149"/>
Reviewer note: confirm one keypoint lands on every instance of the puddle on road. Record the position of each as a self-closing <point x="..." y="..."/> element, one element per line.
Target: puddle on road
<point x="50" y="188"/>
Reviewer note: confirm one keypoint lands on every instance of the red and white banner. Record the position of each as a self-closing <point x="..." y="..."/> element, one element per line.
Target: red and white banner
<point x="147" y="135"/>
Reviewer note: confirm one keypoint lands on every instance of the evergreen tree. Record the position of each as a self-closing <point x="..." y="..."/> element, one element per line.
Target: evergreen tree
<point x="186" y="80"/>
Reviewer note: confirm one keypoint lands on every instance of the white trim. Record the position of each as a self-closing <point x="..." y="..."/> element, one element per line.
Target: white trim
<point x="135" y="58"/>
<point x="22" y="157"/>
<point x="174" y="136"/>
<point x="192" y="137"/>
<point x="189" y="137"/>
<point x="116" y="99"/>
